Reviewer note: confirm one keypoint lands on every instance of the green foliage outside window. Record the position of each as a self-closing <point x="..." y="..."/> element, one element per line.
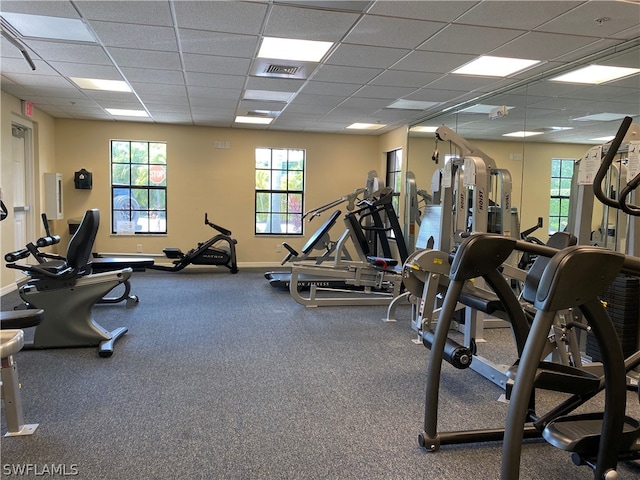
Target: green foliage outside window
<point x="279" y="187"/>
<point x="138" y="186"/>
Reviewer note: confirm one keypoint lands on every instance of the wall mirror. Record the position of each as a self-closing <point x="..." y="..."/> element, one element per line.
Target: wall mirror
<point x="563" y="119"/>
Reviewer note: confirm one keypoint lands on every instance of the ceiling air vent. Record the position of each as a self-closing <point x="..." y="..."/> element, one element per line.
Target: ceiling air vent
<point x="282" y="69"/>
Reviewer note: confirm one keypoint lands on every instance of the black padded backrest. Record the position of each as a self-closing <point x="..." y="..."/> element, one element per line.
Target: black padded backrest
<point x="558" y="240"/>
<point x="81" y="244"/>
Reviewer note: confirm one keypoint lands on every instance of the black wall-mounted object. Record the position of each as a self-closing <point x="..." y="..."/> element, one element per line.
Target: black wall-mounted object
<point x="83" y="180"/>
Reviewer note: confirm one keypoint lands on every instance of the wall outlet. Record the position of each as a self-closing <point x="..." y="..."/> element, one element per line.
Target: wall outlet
<point x="278" y="248"/>
<point x="139" y="248"/>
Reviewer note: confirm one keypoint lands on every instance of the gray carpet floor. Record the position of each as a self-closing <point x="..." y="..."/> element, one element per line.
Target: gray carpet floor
<point x="223" y="377"/>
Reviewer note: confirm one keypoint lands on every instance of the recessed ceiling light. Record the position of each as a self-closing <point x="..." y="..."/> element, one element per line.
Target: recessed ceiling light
<point x="254" y="120"/>
<point x="423" y="129"/>
<point x="522" y="134"/>
<point x="601" y="117"/>
<point x="411" y="104"/>
<point x="481" y="108"/>
<point x="596" y="74"/>
<point x="292" y="49"/>
<point x="267" y="95"/>
<point x="56" y="28"/>
<point x="121" y="112"/>
<point x="366" y="126"/>
<point x="488" y="66"/>
<point x="99" y="84"/>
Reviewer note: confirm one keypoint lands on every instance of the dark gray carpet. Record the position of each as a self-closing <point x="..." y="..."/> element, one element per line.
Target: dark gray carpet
<point x="222" y="377"/>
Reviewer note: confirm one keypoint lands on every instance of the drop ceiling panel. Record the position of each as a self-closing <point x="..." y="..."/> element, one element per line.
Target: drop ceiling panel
<point x="392" y="32"/>
<point x="106" y="72"/>
<point x="68" y="52"/>
<point x="456" y="39"/>
<point x="345" y="74"/>
<point x="581" y="20"/>
<point x="133" y="12"/>
<point x="522" y="15"/>
<point x="129" y="57"/>
<point x="402" y="78"/>
<point x="197" y="70"/>
<point x="216" y="43"/>
<point x="42" y="7"/>
<point x="366" y="56"/>
<point x="143" y="37"/>
<point x="150" y="75"/>
<point x="308" y="24"/>
<point x="216" y="64"/>
<point x="542" y="46"/>
<point x="438" y="11"/>
<point x="434" y="62"/>
<point x="231" y="17"/>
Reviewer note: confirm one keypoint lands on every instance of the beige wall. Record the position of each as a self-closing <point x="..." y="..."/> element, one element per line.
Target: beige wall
<point x="203" y="179"/>
<point x="44" y="161"/>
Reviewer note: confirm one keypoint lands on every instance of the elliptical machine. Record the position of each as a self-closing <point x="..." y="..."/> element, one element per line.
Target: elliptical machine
<point x="218" y="250"/>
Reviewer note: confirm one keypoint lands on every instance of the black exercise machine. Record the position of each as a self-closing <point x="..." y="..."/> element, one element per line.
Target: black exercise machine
<point x="218" y="250"/>
<point x="98" y="263"/>
<point x="577" y="277"/>
<point x="66" y="291"/>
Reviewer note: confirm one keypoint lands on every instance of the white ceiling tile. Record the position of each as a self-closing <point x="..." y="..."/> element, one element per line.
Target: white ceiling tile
<point x="216" y="64"/>
<point x="67" y="52"/>
<point x="178" y="91"/>
<point x="365" y="56"/>
<point x="308" y="24"/>
<point x="150" y="75"/>
<point x="231" y="17"/>
<point x="134" y="12"/>
<point x="437" y="11"/>
<point x="581" y="20"/>
<point x="521" y="14"/>
<point x="213" y="80"/>
<point x="404" y="79"/>
<point x="132" y="57"/>
<point x="542" y="46"/>
<point x="329" y="88"/>
<point x="434" y="62"/>
<point x="143" y="37"/>
<point x="275" y="84"/>
<point x="345" y="74"/>
<point x="469" y="39"/>
<point x="392" y="32"/>
<point x="216" y="43"/>
<point x="383" y="92"/>
<point x="211" y="92"/>
<point x="83" y="70"/>
<point x="42" y="7"/>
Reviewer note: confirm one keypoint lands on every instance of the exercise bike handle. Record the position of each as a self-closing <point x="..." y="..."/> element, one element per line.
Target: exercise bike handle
<point x="48" y="241"/>
<point x="606" y="163"/>
<point x="17" y="255"/>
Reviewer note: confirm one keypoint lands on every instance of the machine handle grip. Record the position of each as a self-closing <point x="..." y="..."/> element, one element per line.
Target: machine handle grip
<point x="48" y="241"/>
<point x="17" y="255"/>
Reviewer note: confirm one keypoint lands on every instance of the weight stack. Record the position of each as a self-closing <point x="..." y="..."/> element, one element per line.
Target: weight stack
<point x="623" y="306"/>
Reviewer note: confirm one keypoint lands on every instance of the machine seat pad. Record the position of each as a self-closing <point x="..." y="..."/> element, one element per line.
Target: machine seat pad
<point x="19" y="319"/>
<point x="482" y="301"/>
<point x="109" y="264"/>
<point x="383" y="263"/>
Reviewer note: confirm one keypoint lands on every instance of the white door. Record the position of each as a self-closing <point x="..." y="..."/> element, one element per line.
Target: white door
<point x="22" y="187"/>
